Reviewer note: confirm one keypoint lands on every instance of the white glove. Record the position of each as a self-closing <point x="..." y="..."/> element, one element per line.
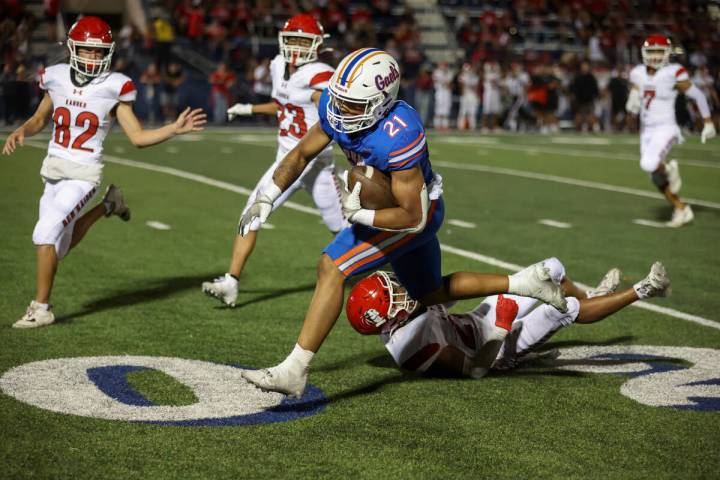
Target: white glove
<point x="633" y="104"/>
<point x="239" y="109"/>
<point x="351" y="207"/>
<point x="708" y="132"/>
<point x="260" y="209"/>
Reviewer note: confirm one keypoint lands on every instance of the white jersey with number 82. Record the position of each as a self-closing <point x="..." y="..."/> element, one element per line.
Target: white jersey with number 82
<point x="81" y="115"/>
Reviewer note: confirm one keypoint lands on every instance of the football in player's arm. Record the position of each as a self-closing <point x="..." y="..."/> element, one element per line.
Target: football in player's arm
<point x="81" y="98"/>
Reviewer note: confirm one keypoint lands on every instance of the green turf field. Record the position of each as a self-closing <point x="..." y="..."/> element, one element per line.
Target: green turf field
<point x="130" y="289"/>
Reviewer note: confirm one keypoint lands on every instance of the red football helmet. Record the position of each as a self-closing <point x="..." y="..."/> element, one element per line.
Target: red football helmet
<point x="90" y="32"/>
<point x="378" y="303"/>
<point x="300" y="39"/>
<point x="656" y="51"/>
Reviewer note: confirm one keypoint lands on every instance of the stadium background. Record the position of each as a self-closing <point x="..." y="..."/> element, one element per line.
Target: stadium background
<point x="135" y="290"/>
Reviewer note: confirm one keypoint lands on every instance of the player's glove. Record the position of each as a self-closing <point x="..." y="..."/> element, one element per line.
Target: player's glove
<point x="708" y="132"/>
<point x="239" y="110"/>
<point x="260" y="208"/>
<point x="633" y="104"/>
<point x="351" y="207"/>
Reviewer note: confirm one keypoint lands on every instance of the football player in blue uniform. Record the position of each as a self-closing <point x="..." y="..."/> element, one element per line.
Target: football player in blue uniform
<point x="359" y="111"/>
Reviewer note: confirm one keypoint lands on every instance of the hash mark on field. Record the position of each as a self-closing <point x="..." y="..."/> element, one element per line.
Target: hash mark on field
<point x="157" y="225"/>
<point x="649" y="223"/>
<point x="226" y="150"/>
<point x="446" y="248"/>
<point x="554" y="223"/>
<point x="267" y="226"/>
<point x="172" y="149"/>
<point x="119" y="149"/>
<point x="461" y="223"/>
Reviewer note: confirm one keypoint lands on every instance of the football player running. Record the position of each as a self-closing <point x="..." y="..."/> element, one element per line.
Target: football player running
<point x="654" y="87"/>
<point x="297" y="80"/>
<point x="359" y="111"/>
<point x="82" y="98"/>
<point x="499" y="333"/>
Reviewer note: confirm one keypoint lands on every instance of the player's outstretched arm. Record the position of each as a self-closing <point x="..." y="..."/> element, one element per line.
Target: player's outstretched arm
<point x="248" y="109"/>
<point x="187" y="121"/>
<point x="33" y="125"/>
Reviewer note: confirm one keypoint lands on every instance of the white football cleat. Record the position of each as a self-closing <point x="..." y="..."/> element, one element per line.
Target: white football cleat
<point x="534" y="281"/>
<point x="283" y="379"/>
<point x="680" y="217"/>
<point x="607" y="285"/>
<point x="656" y="284"/>
<point x="223" y="288"/>
<point x="35" y="316"/>
<point x="115" y="203"/>
<point x="672" y="170"/>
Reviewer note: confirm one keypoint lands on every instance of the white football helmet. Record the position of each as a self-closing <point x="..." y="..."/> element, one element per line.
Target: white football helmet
<point x="656" y="51"/>
<point x="362" y="90"/>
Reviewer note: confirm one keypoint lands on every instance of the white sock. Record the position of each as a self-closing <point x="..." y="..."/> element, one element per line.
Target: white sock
<point x="44" y="306"/>
<point x="301" y="356"/>
<point x="640" y="291"/>
<point x="231" y="278"/>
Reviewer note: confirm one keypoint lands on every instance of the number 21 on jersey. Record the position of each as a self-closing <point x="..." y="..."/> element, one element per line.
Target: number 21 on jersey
<point x="394" y="125"/>
<point x="62" y="120"/>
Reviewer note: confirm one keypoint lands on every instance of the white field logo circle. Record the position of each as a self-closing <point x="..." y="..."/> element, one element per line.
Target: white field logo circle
<point x="96" y="387"/>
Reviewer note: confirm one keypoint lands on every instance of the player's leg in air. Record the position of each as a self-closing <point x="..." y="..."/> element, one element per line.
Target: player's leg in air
<point x="534" y="326"/>
<point x="82" y="98"/>
<point x="297" y="79"/>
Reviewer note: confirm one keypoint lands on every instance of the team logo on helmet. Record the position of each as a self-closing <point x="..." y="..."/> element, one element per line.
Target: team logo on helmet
<point x="362" y="90"/>
<point x="379" y="303"/>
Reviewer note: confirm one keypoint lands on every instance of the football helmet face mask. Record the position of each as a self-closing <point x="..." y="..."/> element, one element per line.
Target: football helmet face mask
<point x="362" y="90"/>
<point x="300" y="39"/>
<point x="378" y="303"/>
<point x="656" y="51"/>
<point x="90" y="33"/>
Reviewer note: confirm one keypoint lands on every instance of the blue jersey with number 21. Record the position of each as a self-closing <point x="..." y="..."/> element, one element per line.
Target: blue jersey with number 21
<point x="397" y="142"/>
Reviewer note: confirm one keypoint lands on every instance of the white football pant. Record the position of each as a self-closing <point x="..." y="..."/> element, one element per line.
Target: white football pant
<point x="655" y="144"/>
<point x="60" y="206"/>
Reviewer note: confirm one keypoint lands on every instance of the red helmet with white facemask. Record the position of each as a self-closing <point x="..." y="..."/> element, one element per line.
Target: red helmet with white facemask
<point x="378" y="303"/>
<point x="90" y="32"/>
<point x="300" y="39"/>
<point x="656" y="51"/>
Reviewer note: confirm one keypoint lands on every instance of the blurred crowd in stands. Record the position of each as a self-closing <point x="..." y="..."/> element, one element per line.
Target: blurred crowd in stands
<point x="530" y="65"/>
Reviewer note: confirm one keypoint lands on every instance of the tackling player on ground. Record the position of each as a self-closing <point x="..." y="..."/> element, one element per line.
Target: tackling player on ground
<point x="360" y="113"/>
<point x="82" y="98"/>
<point x="499" y="333"/>
<point x="297" y="80"/>
<point x="654" y="87"/>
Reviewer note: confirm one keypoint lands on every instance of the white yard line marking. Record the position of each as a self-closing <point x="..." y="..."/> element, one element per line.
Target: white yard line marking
<point x="267" y="226"/>
<point x="649" y="223"/>
<point x="461" y="223"/>
<point x="457" y="251"/>
<point x="566" y="181"/>
<point x="554" y="223"/>
<point x="157" y="225"/>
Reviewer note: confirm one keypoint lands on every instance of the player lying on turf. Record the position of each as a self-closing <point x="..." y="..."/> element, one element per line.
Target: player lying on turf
<point x="499" y="333"/>
<point x="360" y="113"/>
<point x="297" y="80"/>
<point x="81" y="98"/>
<point x="654" y="87"/>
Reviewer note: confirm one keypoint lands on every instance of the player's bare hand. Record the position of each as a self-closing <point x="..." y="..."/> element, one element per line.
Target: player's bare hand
<point x="190" y="121"/>
<point x="15" y="138"/>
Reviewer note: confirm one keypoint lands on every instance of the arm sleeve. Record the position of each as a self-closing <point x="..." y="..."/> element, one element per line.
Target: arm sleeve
<point x="700" y="100"/>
